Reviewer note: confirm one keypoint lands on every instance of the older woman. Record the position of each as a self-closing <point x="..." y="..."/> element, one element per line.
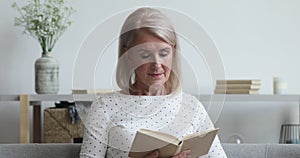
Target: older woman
<point x="150" y="96"/>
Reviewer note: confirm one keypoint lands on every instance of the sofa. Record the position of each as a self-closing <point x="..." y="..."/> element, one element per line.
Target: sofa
<point x="72" y="150"/>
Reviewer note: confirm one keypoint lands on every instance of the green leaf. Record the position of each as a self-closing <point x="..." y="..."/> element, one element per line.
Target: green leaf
<point x="45" y="21"/>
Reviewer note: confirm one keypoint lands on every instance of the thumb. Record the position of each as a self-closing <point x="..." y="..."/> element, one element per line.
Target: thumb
<point x="155" y="153"/>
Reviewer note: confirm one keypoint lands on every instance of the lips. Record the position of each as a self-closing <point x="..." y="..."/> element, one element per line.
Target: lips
<point x="156" y="75"/>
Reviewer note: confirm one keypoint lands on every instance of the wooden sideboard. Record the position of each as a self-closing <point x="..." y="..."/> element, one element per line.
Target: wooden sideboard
<point x="35" y="101"/>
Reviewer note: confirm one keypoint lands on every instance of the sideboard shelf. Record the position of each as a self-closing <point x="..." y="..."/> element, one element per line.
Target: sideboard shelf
<point x="250" y="98"/>
<point x="204" y="97"/>
<point x="35" y="101"/>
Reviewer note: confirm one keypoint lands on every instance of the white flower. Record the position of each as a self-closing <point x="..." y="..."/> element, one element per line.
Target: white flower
<point x="45" y="22"/>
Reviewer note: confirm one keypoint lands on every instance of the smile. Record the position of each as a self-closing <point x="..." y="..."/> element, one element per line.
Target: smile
<point x="156" y="75"/>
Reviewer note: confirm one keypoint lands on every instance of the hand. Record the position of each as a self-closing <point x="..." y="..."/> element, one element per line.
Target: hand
<point x="183" y="154"/>
<point x="154" y="154"/>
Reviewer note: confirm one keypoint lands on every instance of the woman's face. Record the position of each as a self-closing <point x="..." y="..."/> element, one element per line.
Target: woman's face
<point x="151" y="58"/>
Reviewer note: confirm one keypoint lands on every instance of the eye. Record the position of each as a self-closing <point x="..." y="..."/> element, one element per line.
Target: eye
<point x="164" y="52"/>
<point x="144" y="55"/>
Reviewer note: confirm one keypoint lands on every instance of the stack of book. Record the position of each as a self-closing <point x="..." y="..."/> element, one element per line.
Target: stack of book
<point x="237" y="86"/>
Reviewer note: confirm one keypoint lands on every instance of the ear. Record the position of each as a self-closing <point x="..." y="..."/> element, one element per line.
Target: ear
<point x="174" y="49"/>
<point x="175" y="46"/>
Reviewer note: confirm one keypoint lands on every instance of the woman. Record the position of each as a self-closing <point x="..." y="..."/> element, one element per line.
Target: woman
<point x="150" y="96"/>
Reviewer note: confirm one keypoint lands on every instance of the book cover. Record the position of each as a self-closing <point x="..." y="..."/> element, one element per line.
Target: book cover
<point x="235" y="91"/>
<point x="238" y="86"/>
<point x="239" y="82"/>
<point x="146" y="141"/>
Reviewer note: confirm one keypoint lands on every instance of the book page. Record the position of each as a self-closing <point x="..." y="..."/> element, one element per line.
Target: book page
<point x="199" y="143"/>
<point x="160" y="135"/>
<point x="147" y="141"/>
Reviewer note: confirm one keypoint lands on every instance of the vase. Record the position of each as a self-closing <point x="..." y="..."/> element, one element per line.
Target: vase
<point x="46" y="74"/>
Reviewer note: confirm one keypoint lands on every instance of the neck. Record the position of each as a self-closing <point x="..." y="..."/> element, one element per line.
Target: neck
<point x="153" y="90"/>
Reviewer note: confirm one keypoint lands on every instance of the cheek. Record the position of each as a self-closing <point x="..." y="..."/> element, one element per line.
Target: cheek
<point x="167" y="63"/>
<point x="168" y="67"/>
<point x="138" y="64"/>
<point x="167" y="71"/>
<point x="142" y="70"/>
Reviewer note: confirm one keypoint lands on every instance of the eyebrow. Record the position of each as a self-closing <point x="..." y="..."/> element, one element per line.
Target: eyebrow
<point x="147" y="50"/>
<point x="166" y="48"/>
<point x="144" y="50"/>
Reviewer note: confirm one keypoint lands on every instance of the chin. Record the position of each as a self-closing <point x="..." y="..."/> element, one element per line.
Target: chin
<point x="157" y="82"/>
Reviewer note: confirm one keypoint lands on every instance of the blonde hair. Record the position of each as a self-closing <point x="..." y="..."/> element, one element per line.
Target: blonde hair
<point x="157" y="23"/>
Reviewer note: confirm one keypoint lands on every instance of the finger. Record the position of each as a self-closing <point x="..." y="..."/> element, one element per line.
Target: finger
<point x="185" y="154"/>
<point x="154" y="154"/>
<point x="188" y="153"/>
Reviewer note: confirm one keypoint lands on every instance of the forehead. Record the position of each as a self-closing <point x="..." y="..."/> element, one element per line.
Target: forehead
<point x="150" y="46"/>
<point x="144" y="36"/>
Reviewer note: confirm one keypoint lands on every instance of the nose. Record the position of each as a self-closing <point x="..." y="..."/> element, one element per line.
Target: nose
<point x="156" y="63"/>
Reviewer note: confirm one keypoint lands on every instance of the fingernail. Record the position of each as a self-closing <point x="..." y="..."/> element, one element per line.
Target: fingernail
<point x="155" y="153"/>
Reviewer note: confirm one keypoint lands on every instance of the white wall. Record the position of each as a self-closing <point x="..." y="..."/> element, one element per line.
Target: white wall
<point x="256" y="39"/>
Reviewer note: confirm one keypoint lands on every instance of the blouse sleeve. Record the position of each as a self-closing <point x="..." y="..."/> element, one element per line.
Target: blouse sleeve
<point x="203" y="122"/>
<point x="96" y="133"/>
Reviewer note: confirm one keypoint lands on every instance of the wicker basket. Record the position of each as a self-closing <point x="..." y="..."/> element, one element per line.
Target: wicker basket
<point x="58" y="128"/>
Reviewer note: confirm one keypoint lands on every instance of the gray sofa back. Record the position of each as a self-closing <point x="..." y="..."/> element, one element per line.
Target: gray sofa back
<point x="262" y="150"/>
<point x="39" y="150"/>
<point x="72" y="150"/>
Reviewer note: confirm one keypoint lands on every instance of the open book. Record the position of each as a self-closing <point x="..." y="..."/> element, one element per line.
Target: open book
<point x="146" y="141"/>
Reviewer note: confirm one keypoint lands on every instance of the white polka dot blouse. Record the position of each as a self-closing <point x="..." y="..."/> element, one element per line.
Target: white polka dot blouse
<point x="114" y="118"/>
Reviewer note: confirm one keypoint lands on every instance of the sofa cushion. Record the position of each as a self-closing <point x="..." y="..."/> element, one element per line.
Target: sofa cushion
<point x="262" y="150"/>
<point x="72" y="150"/>
<point x="245" y="150"/>
<point x="39" y="150"/>
<point x="283" y="150"/>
